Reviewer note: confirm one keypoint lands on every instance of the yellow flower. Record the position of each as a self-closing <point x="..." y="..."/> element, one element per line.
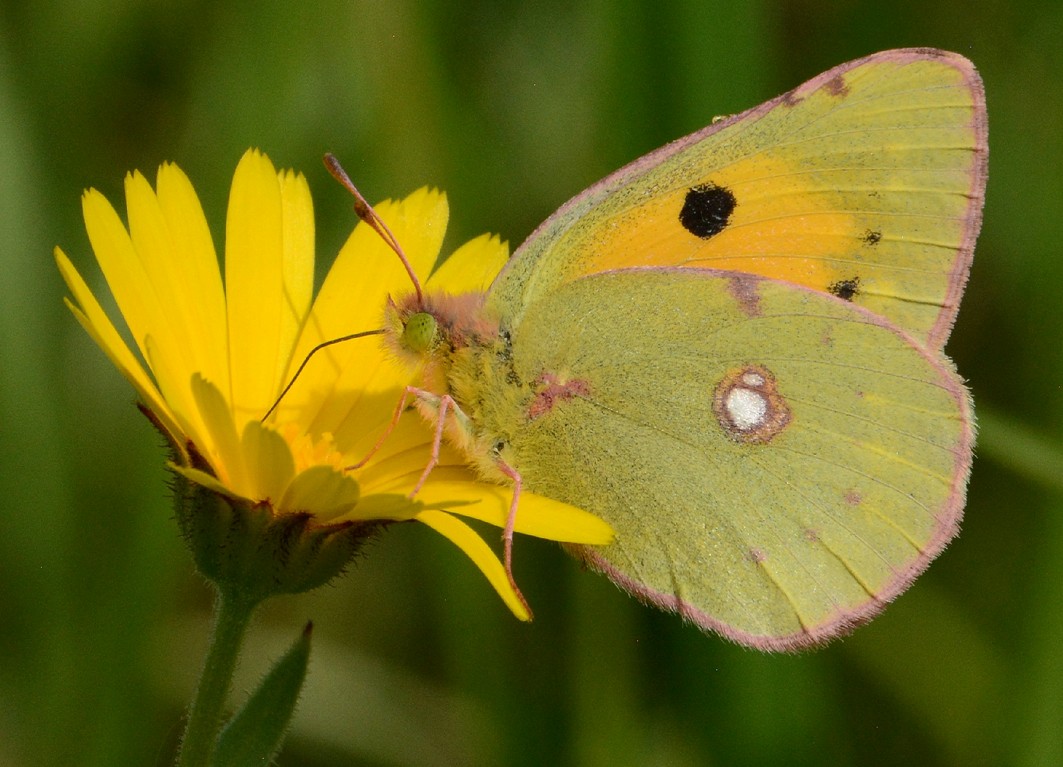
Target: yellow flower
<point x="220" y="352"/>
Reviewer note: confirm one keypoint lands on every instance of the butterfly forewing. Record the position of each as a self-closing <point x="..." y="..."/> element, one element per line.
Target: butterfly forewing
<point x="866" y="182"/>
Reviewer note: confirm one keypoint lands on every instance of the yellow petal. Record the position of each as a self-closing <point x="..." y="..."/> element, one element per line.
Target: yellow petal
<point x="265" y="281"/>
<point x="472" y="267"/>
<point x="463" y="536"/>
<point x="365" y="424"/>
<point x="172" y="260"/>
<point x="419" y="223"/>
<point x="99" y="327"/>
<point x="322" y="490"/>
<point x="222" y="442"/>
<point x="135" y="292"/>
<point x="270" y="465"/>
<point x="536" y="515"/>
<point x="189" y="419"/>
<point x="208" y="481"/>
<point x="120" y="265"/>
<point x="298" y="262"/>
<point x="198" y="292"/>
<point x="393" y="506"/>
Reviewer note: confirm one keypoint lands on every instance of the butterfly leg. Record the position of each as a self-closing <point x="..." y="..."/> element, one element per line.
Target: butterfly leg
<point x="445" y="403"/>
<point x="403" y="400"/>
<point x="507" y="533"/>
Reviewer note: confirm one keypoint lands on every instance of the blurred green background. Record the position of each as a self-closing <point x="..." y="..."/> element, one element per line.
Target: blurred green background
<point x="512" y="108"/>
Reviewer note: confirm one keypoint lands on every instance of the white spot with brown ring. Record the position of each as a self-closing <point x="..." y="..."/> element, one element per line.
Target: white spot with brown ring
<point x="748" y="405"/>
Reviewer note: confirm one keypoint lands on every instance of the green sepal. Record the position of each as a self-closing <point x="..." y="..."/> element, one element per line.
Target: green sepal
<point x="248" y="549"/>
<point x="254" y="734"/>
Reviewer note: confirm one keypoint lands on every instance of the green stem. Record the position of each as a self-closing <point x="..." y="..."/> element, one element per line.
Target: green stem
<point x="231" y="617"/>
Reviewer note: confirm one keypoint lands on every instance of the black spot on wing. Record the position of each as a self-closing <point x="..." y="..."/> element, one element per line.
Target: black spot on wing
<point x="707" y="209"/>
<point x="872" y="237"/>
<point x="845" y="289"/>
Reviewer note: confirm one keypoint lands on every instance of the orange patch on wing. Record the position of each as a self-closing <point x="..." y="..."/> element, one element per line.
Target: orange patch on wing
<point x="780" y="227"/>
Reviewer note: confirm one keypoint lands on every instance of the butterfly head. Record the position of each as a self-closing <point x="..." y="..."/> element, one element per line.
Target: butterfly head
<point x="411" y="329"/>
<point x="437" y="324"/>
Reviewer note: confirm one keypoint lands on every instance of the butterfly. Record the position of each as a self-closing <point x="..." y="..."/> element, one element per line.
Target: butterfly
<point x="731" y="351"/>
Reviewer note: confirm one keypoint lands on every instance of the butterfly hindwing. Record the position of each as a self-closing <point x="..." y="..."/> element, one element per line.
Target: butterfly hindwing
<point x="777" y="464"/>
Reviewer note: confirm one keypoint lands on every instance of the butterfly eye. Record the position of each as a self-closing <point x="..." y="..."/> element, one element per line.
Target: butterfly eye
<point x="419" y="332"/>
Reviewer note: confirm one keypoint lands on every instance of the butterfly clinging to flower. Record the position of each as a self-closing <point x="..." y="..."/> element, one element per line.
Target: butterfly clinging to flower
<point x="731" y="351"/>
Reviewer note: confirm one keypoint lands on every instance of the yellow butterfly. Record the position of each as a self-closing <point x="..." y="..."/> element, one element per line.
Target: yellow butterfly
<point x="731" y="351"/>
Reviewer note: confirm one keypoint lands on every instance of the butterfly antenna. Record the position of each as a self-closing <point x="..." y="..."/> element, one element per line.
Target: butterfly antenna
<point x="368" y="215"/>
<point x="306" y="359"/>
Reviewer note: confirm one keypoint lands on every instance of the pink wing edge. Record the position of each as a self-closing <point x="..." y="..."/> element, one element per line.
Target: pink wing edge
<point x="843" y="621"/>
<point x="961" y="268"/>
<point x="973" y="218"/>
